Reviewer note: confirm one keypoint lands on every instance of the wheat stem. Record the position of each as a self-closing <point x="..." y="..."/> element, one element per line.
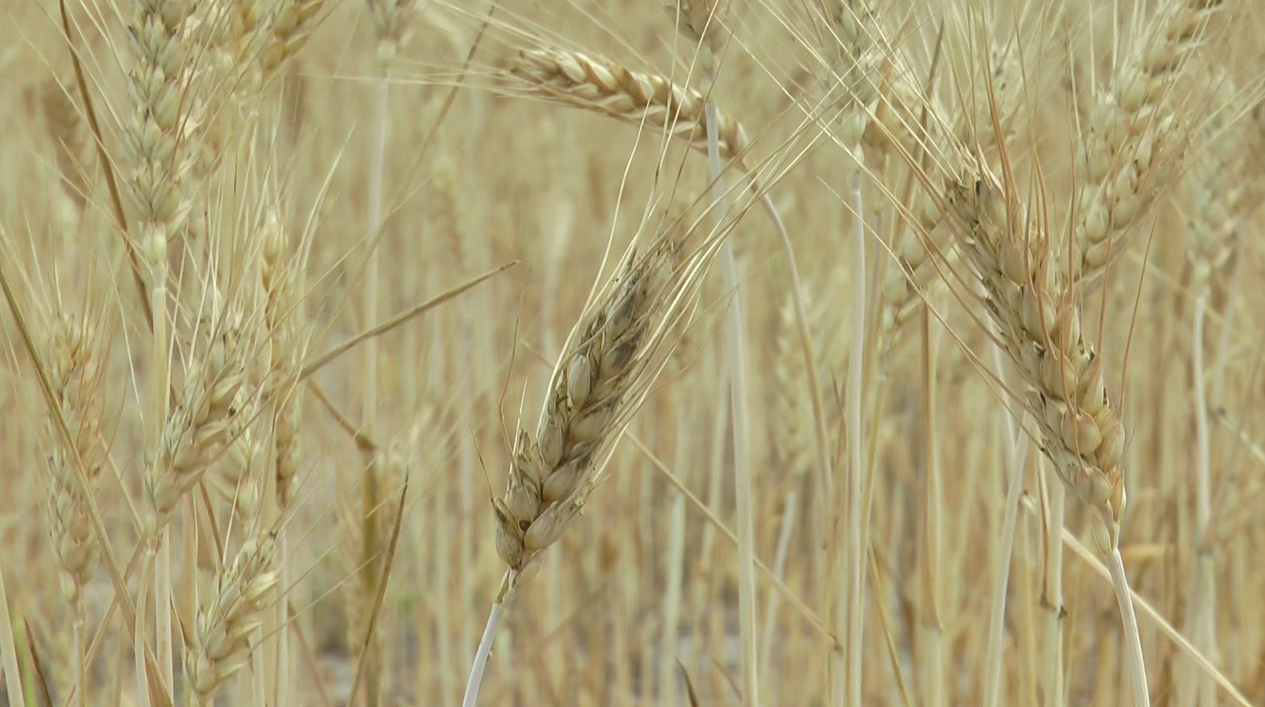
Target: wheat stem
<point x="736" y="355"/>
<point x="933" y="532"/>
<point x="1133" y="640"/>
<point x="9" y="649"/>
<point x="1205" y="596"/>
<point x="855" y="504"/>
<point x="1053" y="593"/>
<point x="1092" y="559"/>
<point x="779" y="571"/>
<point x="668" y="687"/>
<point x="471" y="698"/>
<point x="80" y="651"/>
<point x="1001" y="567"/>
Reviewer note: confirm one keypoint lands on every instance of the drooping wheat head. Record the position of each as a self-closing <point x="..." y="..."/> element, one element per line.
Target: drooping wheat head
<point x="606" y="86"/>
<point x="1039" y="325"/>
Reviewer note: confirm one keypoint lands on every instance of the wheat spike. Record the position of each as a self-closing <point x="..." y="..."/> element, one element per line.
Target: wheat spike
<point x="1039" y="326"/>
<point x="1221" y="182"/>
<point x="165" y="119"/>
<point x="227" y="626"/>
<point x="215" y="395"/>
<point x="595" y="375"/>
<point x="1131" y="131"/>
<point x="282" y="314"/>
<point x="605" y="86"/>
<point x="74" y="365"/>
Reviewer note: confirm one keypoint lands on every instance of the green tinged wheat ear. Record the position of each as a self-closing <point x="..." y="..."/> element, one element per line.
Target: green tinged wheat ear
<point x="1131" y="132"/>
<point x="215" y="394"/>
<point x="283" y="316"/>
<point x="227" y="626"/>
<point x="160" y="133"/>
<point x="593" y="380"/>
<point x="74" y="357"/>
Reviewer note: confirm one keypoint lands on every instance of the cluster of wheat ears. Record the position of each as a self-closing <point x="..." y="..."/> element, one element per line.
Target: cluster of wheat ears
<point x="876" y="353"/>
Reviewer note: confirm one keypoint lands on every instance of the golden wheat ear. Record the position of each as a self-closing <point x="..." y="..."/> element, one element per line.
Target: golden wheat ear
<point x="594" y="381"/>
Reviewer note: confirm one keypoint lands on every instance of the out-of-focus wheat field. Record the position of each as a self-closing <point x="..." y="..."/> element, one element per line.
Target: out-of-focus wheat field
<point x="296" y="279"/>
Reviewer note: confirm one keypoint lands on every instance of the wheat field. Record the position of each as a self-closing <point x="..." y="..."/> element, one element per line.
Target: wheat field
<point x="640" y="352"/>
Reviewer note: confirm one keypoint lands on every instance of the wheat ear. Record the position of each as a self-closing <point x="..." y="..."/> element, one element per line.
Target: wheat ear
<point x="1131" y="131"/>
<point x="226" y="629"/>
<point x="1039" y="326"/>
<point x="590" y="394"/>
<point x="598" y="381"/>
<point x="74" y="359"/>
<point x="605" y="86"/>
